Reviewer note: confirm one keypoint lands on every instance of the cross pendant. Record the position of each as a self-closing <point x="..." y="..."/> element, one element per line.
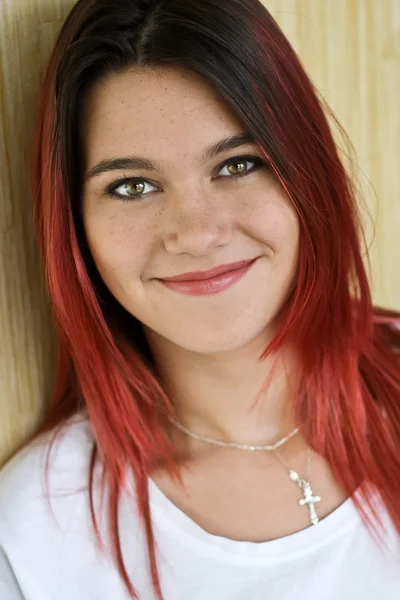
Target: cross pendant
<point x="308" y="499"/>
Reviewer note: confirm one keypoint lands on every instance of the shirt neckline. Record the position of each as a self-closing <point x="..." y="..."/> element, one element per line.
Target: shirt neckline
<point x="177" y="523"/>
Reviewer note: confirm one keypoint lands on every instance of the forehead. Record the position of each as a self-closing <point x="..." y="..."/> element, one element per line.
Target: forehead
<point x="154" y="110"/>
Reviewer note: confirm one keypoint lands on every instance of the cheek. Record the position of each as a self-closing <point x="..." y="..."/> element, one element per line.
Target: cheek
<point x="118" y="244"/>
<point x="272" y="220"/>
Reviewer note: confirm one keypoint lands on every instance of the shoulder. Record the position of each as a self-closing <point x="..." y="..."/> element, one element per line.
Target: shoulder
<point x="69" y="449"/>
<point x="47" y="540"/>
<point x="24" y="493"/>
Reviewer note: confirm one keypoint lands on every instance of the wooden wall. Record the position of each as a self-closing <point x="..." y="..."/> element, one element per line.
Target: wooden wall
<point x="351" y="49"/>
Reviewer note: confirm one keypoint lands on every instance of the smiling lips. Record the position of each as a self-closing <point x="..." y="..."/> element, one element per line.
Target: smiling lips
<point x="199" y="283"/>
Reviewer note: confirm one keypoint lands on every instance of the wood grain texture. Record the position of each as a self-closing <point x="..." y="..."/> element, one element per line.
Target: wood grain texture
<point x="350" y="48"/>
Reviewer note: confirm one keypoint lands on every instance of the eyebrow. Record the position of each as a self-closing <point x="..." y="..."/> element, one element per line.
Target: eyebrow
<point x="138" y="162"/>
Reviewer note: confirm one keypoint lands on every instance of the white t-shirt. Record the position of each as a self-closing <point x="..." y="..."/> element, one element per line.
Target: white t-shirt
<point x="46" y="557"/>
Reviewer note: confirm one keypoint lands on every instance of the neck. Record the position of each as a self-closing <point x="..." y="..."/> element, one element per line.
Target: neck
<point x="213" y="395"/>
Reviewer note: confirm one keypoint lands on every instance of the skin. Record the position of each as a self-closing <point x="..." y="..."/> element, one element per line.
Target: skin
<point x="195" y="216"/>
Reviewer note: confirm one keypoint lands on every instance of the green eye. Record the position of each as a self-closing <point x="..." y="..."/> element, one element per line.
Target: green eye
<point x="135" y="186"/>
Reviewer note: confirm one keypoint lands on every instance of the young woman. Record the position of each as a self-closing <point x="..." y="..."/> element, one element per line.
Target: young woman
<point x="226" y="412"/>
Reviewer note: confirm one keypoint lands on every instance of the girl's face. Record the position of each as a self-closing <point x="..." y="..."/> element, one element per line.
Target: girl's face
<point x="184" y="212"/>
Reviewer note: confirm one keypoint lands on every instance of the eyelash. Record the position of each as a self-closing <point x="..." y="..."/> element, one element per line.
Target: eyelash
<point x="110" y="190"/>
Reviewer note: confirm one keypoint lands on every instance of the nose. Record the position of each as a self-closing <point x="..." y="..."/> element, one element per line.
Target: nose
<point x="196" y="223"/>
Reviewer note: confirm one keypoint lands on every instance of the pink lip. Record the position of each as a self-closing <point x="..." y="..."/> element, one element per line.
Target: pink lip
<point x="202" y="275"/>
<point x="201" y="283"/>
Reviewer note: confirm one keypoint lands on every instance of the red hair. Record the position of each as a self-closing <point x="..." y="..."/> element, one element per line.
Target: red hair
<point x="349" y="390"/>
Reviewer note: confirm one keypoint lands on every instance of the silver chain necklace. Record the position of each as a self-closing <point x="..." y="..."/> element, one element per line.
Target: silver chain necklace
<point x="308" y="497"/>
<point x="270" y="447"/>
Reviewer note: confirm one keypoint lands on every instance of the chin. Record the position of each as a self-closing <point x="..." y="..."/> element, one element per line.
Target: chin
<point x="203" y="340"/>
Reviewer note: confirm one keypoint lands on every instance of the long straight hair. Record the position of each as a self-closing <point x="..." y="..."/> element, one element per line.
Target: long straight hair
<point x="348" y="394"/>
